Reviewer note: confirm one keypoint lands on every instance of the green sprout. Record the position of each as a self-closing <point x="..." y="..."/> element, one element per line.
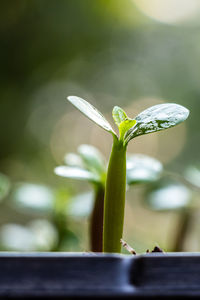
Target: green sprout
<point x="180" y="194"/>
<point x="88" y="164"/>
<point x="155" y="118"/>
<point x="43" y="202"/>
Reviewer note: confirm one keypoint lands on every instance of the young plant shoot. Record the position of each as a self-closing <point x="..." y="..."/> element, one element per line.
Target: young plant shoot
<point x="88" y="164"/>
<point x="155" y="118"/>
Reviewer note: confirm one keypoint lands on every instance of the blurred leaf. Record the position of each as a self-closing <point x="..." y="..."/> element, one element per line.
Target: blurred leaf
<point x="156" y="118"/>
<point x="45" y="234"/>
<point x="169" y="197"/>
<point x="38" y="235"/>
<point x="4" y="186"/>
<point x="192" y="174"/>
<point x="81" y="205"/>
<point x="91" y="112"/>
<point x="93" y="159"/>
<point x="77" y="173"/>
<point x="33" y="198"/>
<point x="142" y="168"/>
<point x="14" y="237"/>
<point x="73" y="160"/>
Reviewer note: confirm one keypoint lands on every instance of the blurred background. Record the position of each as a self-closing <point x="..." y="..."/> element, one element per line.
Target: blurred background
<point x="130" y="53"/>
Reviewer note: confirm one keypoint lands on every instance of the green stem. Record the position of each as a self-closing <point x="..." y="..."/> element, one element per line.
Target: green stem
<point x="184" y="223"/>
<point x="115" y="198"/>
<point x="96" y="222"/>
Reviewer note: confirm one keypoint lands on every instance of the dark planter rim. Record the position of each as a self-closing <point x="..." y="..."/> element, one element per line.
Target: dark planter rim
<point x="90" y="275"/>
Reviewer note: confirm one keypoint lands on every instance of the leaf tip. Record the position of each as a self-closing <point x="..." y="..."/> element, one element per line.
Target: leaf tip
<point x="57" y="170"/>
<point x="72" y="98"/>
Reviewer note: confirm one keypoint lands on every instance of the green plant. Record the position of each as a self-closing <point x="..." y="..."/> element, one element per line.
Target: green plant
<point x="153" y="119"/>
<point x="39" y="201"/>
<point x="176" y="193"/>
<point x="88" y="164"/>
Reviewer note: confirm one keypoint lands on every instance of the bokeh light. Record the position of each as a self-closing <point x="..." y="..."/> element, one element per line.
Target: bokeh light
<point x="169" y="11"/>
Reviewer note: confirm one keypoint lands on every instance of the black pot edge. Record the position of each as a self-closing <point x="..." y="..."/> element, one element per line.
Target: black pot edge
<point x="91" y="275"/>
<point x="96" y="254"/>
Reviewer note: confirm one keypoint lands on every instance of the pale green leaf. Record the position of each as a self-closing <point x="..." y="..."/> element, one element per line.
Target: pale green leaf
<point x="76" y="173"/>
<point x="91" y="112"/>
<point x="192" y="174"/>
<point x="15" y="237"/>
<point x="92" y="158"/>
<point x="125" y="126"/>
<point x="81" y="205"/>
<point x="73" y="160"/>
<point x="169" y="197"/>
<point x="122" y="121"/>
<point x="156" y="118"/>
<point x="33" y="198"/>
<point x="119" y="115"/>
<point x="38" y="235"/>
<point x="142" y="169"/>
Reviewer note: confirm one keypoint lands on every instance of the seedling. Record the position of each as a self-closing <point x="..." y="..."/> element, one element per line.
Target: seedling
<point x="180" y="194"/>
<point x="155" y="118"/>
<point x="88" y="164"/>
<point x="50" y="204"/>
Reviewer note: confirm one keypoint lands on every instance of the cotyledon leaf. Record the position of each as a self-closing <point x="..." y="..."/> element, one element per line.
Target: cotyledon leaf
<point x="73" y="160"/>
<point x="81" y="205"/>
<point x="76" y="173"/>
<point x="29" y="197"/>
<point x="142" y="168"/>
<point x="91" y="112"/>
<point x="156" y="118"/>
<point x="93" y="159"/>
<point x="169" y="197"/>
<point x="192" y="174"/>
